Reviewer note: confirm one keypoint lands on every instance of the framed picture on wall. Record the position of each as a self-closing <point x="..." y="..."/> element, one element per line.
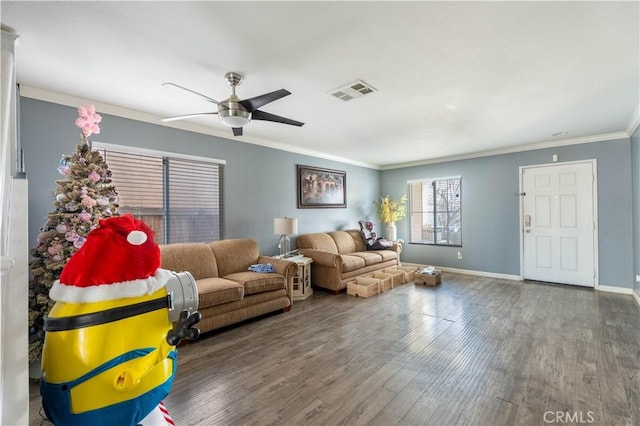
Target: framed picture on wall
<point x="321" y="188"/>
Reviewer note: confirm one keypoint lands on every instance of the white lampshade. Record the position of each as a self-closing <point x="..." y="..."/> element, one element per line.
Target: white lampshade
<point x="285" y="225"/>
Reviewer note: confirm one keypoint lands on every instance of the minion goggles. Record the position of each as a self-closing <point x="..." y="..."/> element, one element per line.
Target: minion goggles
<point x="182" y="294"/>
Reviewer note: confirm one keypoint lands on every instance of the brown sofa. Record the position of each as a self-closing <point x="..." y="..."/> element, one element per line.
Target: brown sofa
<point x="340" y="256"/>
<point x="227" y="291"/>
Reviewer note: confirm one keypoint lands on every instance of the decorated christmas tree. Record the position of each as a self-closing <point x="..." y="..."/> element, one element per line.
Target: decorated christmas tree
<point x="83" y="197"/>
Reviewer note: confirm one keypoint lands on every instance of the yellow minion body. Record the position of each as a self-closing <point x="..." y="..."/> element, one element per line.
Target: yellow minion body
<point x="137" y="342"/>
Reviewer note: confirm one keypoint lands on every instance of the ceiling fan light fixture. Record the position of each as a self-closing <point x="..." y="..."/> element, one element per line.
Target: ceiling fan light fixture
<point x="237" y="118"/>
<point x="235" y="112"/>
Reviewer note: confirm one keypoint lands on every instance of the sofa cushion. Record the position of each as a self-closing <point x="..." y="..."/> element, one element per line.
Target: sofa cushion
<point x="358" y="239"/>
<point x="344" y="241"/>
<point x="196" y="258"/>
<point x="218" y="291"/>
<point x="369" y="257"/>
<point x="387" y="255"/>
<point x="350" y="263"/>
<point x="234" y="255"/>
<point x="258" y="282"/>
<point x="317" y="241"/>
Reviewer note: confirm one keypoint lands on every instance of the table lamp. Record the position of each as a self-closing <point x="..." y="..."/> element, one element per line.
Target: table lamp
<point x="285" y="226"/>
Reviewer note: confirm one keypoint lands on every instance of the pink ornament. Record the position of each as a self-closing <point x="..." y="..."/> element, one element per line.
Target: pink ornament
<point x="71" y="236"/>
<point x="54" y="249"/>
<point x="85" y="217"/>
<point x="62" y="228"/>
<point x="57" y="258"/>
<point x="103" y="201"/>
<point x="88" y="202"/>
<point x="79" y="242"/>
<point x="94" y="176"/>
<point x="64" y="170"/>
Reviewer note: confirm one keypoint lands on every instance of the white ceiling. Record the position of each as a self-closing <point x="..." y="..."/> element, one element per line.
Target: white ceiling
<point x="453" y="78"/>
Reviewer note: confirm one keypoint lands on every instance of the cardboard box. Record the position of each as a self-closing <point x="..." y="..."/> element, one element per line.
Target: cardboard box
<point x="409" y="272"/>
<point x="386" y="280"/>
<point x="428" y="279"/>
<point x="363" y="287"/>
<point x="398" y="276"/>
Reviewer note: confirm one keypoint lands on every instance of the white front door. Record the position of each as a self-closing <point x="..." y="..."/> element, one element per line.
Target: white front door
<point x="558" y="223"/>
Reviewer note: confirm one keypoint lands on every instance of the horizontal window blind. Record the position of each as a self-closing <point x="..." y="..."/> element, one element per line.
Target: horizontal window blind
<point x="194" y="200"/>
<point x="179" y="198"/>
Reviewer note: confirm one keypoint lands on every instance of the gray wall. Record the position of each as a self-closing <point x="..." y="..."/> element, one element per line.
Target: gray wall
<point x="260" y="182"/>
<point x="260" y="185"/>
<point x="635" y="166"/>
<point x="490" y="209"/>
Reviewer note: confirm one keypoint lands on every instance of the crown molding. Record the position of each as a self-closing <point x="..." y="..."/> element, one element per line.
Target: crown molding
<point x="634" y="122"/>
<point x="74" y="101"/>
<point x="513" y="149"/>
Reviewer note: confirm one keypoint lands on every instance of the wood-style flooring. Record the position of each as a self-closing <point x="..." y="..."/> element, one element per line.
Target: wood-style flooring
<point x="471" y="351"/>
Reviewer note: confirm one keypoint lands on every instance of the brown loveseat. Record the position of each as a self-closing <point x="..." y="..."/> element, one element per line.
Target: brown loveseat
<point x="227" y="291"/>
<point x="339" y="256"/>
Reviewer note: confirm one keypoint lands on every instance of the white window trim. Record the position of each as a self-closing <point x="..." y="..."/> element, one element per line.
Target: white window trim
<point x="428" y="181"/>
<point x="409" y="182"/>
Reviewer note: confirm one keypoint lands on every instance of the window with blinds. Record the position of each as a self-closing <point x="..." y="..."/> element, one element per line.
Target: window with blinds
<point x="435" y="211"/>
<point x="179" y="197"/>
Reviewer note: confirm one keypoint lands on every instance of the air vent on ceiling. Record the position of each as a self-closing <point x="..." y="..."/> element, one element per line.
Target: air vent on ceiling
<point x="353" y="90"/>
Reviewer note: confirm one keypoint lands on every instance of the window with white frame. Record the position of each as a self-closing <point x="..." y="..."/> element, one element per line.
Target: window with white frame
<point x="435" y="211"/>
<point x="179" y="196"/>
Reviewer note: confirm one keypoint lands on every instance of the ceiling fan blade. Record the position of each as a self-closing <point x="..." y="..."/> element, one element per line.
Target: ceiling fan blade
<point x="265" y="116"/>
<point x="253" y="104"/>
<point x="237" y="131"/>
<point x="184" y="117"/>
<point x="190" y="92"/>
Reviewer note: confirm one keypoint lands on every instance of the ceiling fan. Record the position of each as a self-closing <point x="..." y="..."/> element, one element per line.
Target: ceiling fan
<point x="235" y="112"/>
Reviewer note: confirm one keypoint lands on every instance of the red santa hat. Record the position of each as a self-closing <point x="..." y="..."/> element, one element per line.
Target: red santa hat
<point x="119" y="259"/>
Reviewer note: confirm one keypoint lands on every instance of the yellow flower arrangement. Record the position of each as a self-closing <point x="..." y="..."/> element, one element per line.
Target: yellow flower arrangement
<point x="392" y="210"/>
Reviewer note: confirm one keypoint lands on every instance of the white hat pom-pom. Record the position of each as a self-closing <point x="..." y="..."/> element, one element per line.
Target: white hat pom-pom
<point x="136" y="238"/>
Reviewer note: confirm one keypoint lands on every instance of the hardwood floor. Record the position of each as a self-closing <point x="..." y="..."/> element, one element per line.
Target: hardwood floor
<point x="472" y="351"/>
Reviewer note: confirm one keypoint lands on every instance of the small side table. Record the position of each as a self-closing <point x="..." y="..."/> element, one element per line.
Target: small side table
<point x="302" y="280"/>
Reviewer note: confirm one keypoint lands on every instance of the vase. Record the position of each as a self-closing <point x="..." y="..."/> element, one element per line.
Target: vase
<point x="391" y="231"/>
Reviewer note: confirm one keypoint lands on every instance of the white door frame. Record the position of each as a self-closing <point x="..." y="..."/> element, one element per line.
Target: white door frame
<point x="594" y="165"/>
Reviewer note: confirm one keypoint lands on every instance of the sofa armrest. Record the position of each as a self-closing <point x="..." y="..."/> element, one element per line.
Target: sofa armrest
<point x="397" y="247"/>
<point x="323" y="258"/>
<point x="283" y="267"/>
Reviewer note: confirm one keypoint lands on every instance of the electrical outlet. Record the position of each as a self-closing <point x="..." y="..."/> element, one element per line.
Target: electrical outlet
<point x="459" y="254"/>
<point x="638" y="278"/>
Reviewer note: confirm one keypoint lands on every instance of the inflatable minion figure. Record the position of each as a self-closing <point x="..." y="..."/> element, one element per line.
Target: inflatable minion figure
<point x="109" y="354"/>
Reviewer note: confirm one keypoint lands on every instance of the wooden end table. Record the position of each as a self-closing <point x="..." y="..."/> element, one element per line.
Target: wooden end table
<point x="302" y="281"/>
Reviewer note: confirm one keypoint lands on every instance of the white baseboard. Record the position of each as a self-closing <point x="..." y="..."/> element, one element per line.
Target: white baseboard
<point x="481" y="273"/>
<point x="605" y="288"/>
<point x="613" y="289"/>
<point x="471" y="272"/>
